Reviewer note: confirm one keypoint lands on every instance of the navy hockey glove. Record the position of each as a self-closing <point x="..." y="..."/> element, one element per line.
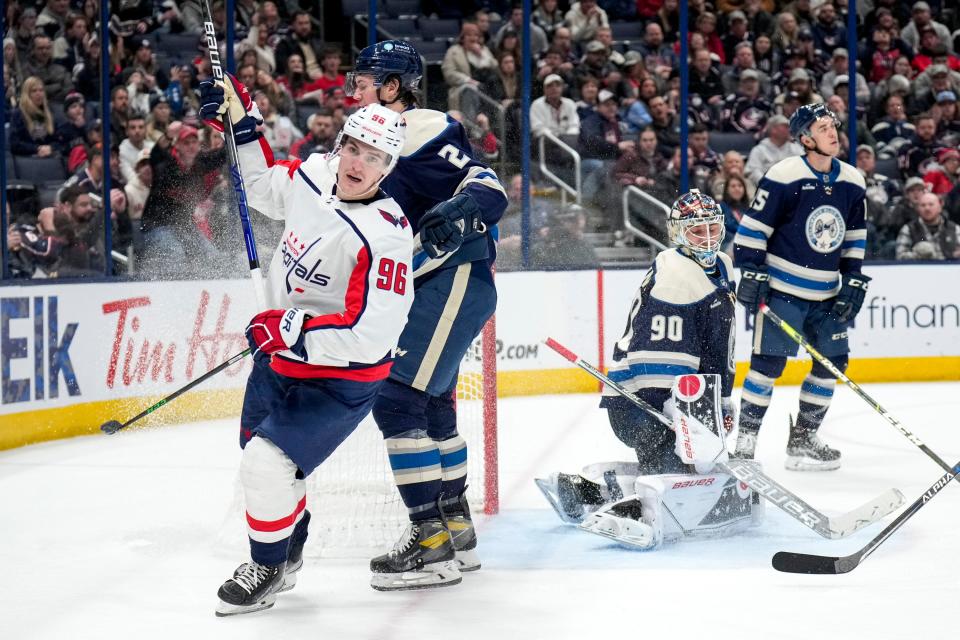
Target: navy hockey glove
<point x="443" y="228"/>
<point x="276" y="330"/>
<point x="218" y="98"/>
<point x="754" y="286"/>
<point x="847" y="304"/>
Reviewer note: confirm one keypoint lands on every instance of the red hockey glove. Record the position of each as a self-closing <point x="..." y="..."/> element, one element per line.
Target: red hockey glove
<point x="276" y="330"/>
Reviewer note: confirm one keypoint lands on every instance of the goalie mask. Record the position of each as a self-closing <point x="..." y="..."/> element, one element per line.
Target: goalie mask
<point x="378" y="127"/>
<point x="695" y="224"/>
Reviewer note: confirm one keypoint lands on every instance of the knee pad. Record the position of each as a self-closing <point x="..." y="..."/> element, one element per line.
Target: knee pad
<point x="820" y="371"/>
<point x="264" y="467"/>
<point x="770" y="366"/>
<point x="400" y="408"/>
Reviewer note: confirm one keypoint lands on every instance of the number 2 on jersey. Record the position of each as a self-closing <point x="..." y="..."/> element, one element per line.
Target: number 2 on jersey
<point x="454" y="156"/>
<point x="393" y="276"/>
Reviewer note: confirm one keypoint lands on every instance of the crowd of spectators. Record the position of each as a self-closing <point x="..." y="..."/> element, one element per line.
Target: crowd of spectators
<point x="605" y="82"/>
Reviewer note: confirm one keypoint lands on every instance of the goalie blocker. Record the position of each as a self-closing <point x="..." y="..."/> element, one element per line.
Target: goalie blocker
<point x="615" y="500"/>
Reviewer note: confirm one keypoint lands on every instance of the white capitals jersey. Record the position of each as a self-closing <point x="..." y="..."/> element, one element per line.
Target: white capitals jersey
<point x="347" y="264"/>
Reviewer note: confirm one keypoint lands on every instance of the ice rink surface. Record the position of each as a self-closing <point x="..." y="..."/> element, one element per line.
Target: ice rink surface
<point x="117" y="537"/>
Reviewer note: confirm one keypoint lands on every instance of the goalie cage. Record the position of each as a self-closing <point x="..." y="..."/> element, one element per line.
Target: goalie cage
<point x="354" y="504"/>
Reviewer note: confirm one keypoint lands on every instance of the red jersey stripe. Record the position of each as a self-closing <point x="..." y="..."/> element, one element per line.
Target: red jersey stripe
<point x="277" y="525"/>
<point x="354" y="301"/>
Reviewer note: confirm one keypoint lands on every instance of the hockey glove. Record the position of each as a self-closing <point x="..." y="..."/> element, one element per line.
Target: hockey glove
<point x="847" y="304"/>
<point x="276" y="330"/>
<point x="443" y="228"/>
<point x="754" y="286"/>
<point x="218" y="98"/>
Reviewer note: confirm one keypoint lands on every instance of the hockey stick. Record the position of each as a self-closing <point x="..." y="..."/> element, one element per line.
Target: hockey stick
<point x="112" y="426"/>
<point x="816" y="355"/>
<point x="750" y="474"/>
<point x="790" y="562"/>
<point x="253" y="259"/>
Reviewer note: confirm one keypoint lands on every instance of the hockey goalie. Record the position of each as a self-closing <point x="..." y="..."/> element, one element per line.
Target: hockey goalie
<point x="677" y="356"/>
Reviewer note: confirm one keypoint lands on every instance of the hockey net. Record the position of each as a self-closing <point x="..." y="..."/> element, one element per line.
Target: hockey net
<point x="354" y="504"/>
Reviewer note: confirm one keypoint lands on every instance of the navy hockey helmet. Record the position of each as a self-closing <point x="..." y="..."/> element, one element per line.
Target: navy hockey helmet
<point x="806" y="115"/>
<point x="384" y="60"/>
<point x="695" y="224"/>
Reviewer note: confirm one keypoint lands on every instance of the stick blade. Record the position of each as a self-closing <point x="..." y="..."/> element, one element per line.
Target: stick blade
<point x="110" y="427"/>
<point x="789" y="562"/>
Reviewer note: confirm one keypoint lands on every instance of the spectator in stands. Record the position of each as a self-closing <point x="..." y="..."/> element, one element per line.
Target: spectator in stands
<point x="278" y="130"/>
<point x="767" y="58"/>
<point x="595" y="62"/>
<point x="776" y="146"/>
<point x="12" y="77"/>
<point x="704" y="161"/>
<point x="733" y="164"/>
<point x="159" y="118"/>
<point x="759" y="18"/>
<point x="785" y="36"/>
<point x="601" y="143"/>
<point x="296" y="82"/>
<point x="839" y="66"/>
<point x="664" y="123"/>
<point x="705" y="79"/>
<point x="145" y="62"/>
<point x="504" y="85"/>
<point x="68" y="48"/>
<point x="881" y="54"/>
<point x="737" y="33"/>
<point x="31" y="125"/>
<point x="893" y="130"/>
<point x="734" y="203"/>
<point x="921" y="18"/>
<point x="258" y="42"/>
<point x="641" y="164"/>
<point x="589" y="96"/>
<point x="881" y="191"/>
<point x="658" y="56"/>
<point x="921" y="148"/>
<point x="706" y="25"/>
<point x="605" y="37"/>
<point x="300" y="40"/>
<point x="584" y="18"/>
<point x="183" y="99"/>
<point x="462" y="64"/>
<point x="26" y="27"/>
<point x="281" y="100"/>
<point x="563" y="40"/>
<point x="838" y="104"/>
<point x="79" y="226"/>
<point x="931" y="48"/>
<point x="742" y="61"/>
<point x="119" y="112"/>
<point x="247" y="74"/>
<point x="538" y="39"/>
<point x="52" y="20"/>
<point x="828" y="32"/>
<point x="134" y="145"/>
<point x="140" y="88"/>
<point x="906" y="210"/>
<point x="931" y="236"/>
<point x="746" y="110"/>
<point x="948" y="124"/>
<point x="137" y="190"/>
<point x="56" y="79"/>
<point x="563" y="244"/>
<point x="509" y="43"/>
<point x="181" y="180"/>
<point x="552" y="112"/>
<point x="553" y="63"/>
<point x="942" y="177"/>
<point x="320" y="137"/>
<point x="73" y="130"/>
<point x="668" y="17"/>
<point x="935" y="80"/>
<point x="330" y="61"/>
<point x="548" y="16"/>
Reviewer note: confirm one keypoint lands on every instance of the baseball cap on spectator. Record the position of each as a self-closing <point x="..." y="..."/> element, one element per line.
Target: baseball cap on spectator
<point x="867" y="150"/>
<point x="187" y="131"/>
<point x="840" y="52"/>
<point x="550" y="79"/>
<point x="749" y="74"/>
<point x="805" y="34"/>
<point x="946" y="154"/>
<point x="74" y="97"/>
<point x="736" y="14"/>
<point x="938" y="70"/>
<point x="595" y="46"/>
<point x="897" y="84"/>
<point x="158" y="99"/>
<point x="842" y="79"/>
<point x="799" y="74"/>
<point x="883" y="11"/>
<point x="925" y="28"/>
<point x="94" y="125"/>
<point x="921" y="6"/>
<point x="631" y="58"/>
<point x="915" y="182"/>
<point x="29" y="12"/>
<point x="943" y="96"/>
<point x="144" y="44"/>
<point x="777" y="119"/>
<point x="605" y="95"/>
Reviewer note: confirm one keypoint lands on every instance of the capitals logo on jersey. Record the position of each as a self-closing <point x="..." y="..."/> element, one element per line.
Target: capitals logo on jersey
<point x="294" y="253"/>
<point x="400" y="221"/>
<point x="825" y="229"/>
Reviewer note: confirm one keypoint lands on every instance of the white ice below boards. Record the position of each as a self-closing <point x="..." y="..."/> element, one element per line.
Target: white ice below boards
<point x="118" y="537"/>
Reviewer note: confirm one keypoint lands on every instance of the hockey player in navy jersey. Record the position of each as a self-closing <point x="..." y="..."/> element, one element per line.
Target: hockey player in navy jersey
<point x="800" y="247"/>
<point x="680" y="327"/>
<point x="453" y="203"/>
<point x="338" y="297"/>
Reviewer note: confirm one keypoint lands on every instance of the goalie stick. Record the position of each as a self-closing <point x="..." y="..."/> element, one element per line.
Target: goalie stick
<point x="790" y="562"/>
<point x="816" y="355"/>
<point x="750" y="474"/>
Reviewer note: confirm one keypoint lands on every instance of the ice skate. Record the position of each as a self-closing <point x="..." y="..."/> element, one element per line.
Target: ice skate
<point x="423" y="558"/>
<point x="456" y="512"/>
<point x="253" y="587"/>
<point x="806" y="452"/>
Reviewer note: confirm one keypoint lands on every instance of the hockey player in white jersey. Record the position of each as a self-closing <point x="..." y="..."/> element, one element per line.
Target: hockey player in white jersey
<point x="800" y="248"/>
<point x="339" y="294"/>
<point x="676" y="355"/>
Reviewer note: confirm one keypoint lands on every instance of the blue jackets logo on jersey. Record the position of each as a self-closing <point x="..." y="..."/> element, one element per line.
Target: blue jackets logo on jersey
<point x="825" y="229"/>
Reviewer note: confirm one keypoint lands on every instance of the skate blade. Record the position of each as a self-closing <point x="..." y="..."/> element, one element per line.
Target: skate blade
<point x="803" y="463"/>
<point x="468" y="560"/>
<point x="290" y="577"/>
<point x="225" y="609"/>
<point x="438" y="574"/>
<point x="547" y="488"/>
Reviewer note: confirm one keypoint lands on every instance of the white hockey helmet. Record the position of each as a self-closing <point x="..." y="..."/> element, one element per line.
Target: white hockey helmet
<point x="379" y="127"/>
<point x="691" y="225"/>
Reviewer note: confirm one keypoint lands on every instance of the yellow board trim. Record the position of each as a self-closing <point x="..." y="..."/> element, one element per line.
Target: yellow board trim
<point x="30" y="427"/>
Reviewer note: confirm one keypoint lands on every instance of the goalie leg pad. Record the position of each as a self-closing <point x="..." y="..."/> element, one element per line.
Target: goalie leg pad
<point x="634" y="522"/>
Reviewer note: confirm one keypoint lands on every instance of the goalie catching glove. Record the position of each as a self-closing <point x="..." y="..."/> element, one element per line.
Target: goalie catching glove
<point x="220" y="97"/>
<point x="444" y="227"/>
<point x="276" y="330"/>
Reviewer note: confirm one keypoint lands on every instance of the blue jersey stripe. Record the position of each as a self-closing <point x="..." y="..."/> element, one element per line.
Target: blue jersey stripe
<point x="817" y="389"/>
<point x="400" y="461"/>
<point x="749" y="385"/>
<point x="802" y="282"/>
<point x="635" y="370"/>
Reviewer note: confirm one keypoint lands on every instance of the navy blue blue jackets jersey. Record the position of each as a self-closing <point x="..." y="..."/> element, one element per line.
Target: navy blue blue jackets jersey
<point x="436" y="165"/>
<point x="681" y="321"/>
<point x="807" y="227"/>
